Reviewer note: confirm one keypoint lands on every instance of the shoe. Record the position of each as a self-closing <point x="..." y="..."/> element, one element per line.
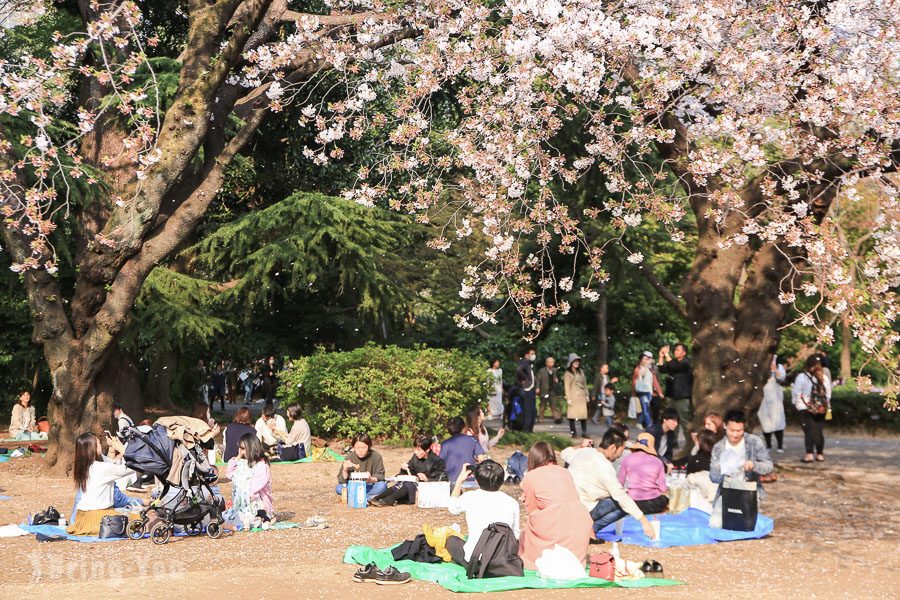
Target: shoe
<point x="377" y="502"/>
<point x="820" y="457"/>
<point x="780" y="451"/>
<point x="391" y="576"/>
<point x="657" y="569"/>
<point x="366" y="574"/>
<point x="647" y="567"/>
<point x="137" y="489"/>
<point x="595" y="540"/>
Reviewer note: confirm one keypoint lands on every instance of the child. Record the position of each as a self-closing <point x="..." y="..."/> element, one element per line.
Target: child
<point x="608" y="403"/>
<point x="251" y="480"/>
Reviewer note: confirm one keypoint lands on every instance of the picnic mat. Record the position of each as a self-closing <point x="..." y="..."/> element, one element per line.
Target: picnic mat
<point x="688" y="528"/>
<point x="453" y="577"/>
<point x="54" y="530"/>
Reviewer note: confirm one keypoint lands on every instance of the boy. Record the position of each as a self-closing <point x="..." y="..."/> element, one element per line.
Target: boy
<point x="483" y="507"/>
<point x="608" y="403"/>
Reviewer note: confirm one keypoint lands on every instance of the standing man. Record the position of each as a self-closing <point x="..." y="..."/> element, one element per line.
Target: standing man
<point x="546" y="388"/>
<point x="679" y="385"/>
<point x="526" y="382"/>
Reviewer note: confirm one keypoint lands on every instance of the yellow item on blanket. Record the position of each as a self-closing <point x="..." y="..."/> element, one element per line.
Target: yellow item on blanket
<point x="87" y="522"/>
<point x="437" y="539"/>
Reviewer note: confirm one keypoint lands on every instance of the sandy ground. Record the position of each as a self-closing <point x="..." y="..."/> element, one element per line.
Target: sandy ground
<point x="837" y="535"/>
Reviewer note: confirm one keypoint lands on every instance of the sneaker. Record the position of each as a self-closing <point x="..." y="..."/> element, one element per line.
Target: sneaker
<point x="137" y="489"/>
<point x="367" y="573"/>
<point x="780" y="451"/>
<point x="391" y="576"/>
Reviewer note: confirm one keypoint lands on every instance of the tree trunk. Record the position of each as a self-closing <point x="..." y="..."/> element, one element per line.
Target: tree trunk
<point x="119" y="383"/>
<point x="846" y="368"/>
<point x="602" y="336"/>
<point x="158" y="389"/>
<point x="735" y="323"/>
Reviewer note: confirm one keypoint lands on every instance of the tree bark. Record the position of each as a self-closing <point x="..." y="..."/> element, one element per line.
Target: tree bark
<point x="602" y="335"/>
<point x="846" y="367"/>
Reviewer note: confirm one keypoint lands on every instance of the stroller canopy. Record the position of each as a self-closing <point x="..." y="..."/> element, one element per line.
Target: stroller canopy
<point x="151" y="452"/>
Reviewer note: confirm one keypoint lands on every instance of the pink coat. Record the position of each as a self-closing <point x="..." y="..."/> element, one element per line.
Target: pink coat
<point x="555" y="515"/>
<point x="260" y="484"/>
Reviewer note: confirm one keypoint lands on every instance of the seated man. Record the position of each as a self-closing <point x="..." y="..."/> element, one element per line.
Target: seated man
<point x="738" y="455"/>
<point x="597" y="484"/>
<point x="665" y="433"/>
<point x="460" y="449"/>
<point x="270" y="428"/>
<point x="123" y="421"/>
<point x="483" y="507"/>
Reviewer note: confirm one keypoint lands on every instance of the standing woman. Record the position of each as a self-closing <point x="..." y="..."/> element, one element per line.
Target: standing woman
<point x="96" y="479"/>
<point x="23" y="425"/>
<point x="555" y="514"/>
<point x="642" y="381"/>
<point x="811" y="395"/>
<point x="771" y="411"/>
<point x="475" y="427"/>
<point x="495" y="399"/>
<point x="576" y="391"/>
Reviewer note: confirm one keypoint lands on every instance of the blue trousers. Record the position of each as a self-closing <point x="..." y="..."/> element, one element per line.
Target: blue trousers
<point x="646" y="416"/>
<point x="120" y="500"/>
<point x="605" y="513"/>
<point x="372" y="489"/>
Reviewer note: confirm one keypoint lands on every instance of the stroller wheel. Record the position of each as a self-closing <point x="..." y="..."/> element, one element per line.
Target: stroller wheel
<point x="136" y="529"/>
<point x="160" y="533"/>
<point x="193" y="529"/>
<point x="214" y="530"/>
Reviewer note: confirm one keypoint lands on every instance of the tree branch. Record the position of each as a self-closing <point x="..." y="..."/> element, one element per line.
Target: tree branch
<point x="646" y="272"/>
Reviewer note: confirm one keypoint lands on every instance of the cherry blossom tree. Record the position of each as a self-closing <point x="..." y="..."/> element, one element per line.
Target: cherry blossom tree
<point x="755" y="117"/>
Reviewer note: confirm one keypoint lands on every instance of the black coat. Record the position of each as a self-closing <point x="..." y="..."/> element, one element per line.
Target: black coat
<point x="680" y="380"/>
<point x="432" y="466"/>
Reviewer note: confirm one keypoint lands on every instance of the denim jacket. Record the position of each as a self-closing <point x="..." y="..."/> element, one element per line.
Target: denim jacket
<point x="756" y="451"/>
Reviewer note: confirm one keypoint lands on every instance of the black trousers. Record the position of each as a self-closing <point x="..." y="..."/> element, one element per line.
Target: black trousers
<point x="813" y="432"/>
<point x="402" y="493"/>
<point x="529" y="411"/>
<point x="457" y="551"/>
<point x="583" y="427"/>
<point x="654" y="505"/>
<point x="779" y="437"/>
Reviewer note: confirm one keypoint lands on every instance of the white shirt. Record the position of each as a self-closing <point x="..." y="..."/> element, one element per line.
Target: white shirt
<point x="482" y="509"/>
<point x="644" y="381"/>
<point x="101" y="483"/>
<point x="732" y="460"/>
<point x="265" y="434"/>
<point x="595" y="479"/>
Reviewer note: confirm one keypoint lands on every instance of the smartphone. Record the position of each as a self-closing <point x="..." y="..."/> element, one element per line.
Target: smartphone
<point x="108" y="434"/>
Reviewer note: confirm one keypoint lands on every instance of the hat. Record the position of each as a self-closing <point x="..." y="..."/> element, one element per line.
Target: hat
<point x="647" y="353"/>
<point x="573" y="357"/>
<point x="645" y="442"/>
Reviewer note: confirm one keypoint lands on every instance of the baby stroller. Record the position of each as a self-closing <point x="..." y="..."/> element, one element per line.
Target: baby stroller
<point x="187" y="497"/>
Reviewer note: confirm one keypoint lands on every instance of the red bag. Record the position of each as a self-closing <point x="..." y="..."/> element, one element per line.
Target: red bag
<point x="603" y="566"/>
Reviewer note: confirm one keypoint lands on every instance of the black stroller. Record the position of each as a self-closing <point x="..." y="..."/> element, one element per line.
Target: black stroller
<point x="187" y="497"/>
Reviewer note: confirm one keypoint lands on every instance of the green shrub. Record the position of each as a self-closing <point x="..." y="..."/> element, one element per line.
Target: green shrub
<point x="851" y="408"/>
<point x="527" y="440"/>
<point x="388" y="392"/>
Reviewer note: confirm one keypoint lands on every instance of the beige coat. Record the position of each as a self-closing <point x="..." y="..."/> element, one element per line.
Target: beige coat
<point x="22" y="420"/>
<point x="576" y="394"/>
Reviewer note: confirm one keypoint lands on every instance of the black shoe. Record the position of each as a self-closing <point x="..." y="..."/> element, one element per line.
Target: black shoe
<point x="377" y="502"/>
<point x="367" y="573"/>
<point x="657" y="568"/>
<point x="391" y="576"/>
<point x="647" y="567"/>
<point x="595" y="540"/>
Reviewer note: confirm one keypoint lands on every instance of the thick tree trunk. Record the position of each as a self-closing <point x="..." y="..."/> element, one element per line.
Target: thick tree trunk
<point x="735" y="324"/>
<point x="119" y="383"/>
<point x="158" y="389"/>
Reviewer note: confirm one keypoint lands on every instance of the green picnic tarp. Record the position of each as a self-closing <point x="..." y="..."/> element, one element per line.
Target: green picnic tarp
<point x="453" y="577"/>
<point x="331" y="454"/>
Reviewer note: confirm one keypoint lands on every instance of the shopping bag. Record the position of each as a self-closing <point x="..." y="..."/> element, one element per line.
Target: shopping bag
<point x="634" y="407"/>
<point x="433" y="494"/>
<point x="739" y="505"/>
<point x="356" y="492"/>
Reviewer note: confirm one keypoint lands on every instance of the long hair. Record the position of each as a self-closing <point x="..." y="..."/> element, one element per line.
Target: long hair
<point x="253" y="449"/>
<point x="716" y="418"/>
<point x="85" y="455"/>
<point x="541" y="454"/>
<point x="472" y="416"/>
<point x="706" y="439"/>
<point x="200" y="411"/>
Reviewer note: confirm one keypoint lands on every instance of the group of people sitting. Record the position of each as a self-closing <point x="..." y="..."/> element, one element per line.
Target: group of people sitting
<point x="572" y="496"/>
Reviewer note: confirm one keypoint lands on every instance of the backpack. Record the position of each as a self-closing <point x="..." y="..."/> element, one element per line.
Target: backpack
<point x="516" y="466"/>
<point x="818" y="400"/>
<point x="515" y="410"/>
<point x="496" y="554"/>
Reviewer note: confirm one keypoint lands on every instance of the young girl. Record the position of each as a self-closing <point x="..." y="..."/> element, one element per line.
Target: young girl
<point x="251" y="480"/>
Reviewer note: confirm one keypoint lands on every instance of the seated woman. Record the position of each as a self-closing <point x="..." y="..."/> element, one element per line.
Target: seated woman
<point x="424" y="464"/>
<point x="555" y="514"/>
<point x="95" y="479"/>
<point x="643" y="474"/>
<point x="22" y="425"/>
<point x="698" y="466"/>
<point x="251" y="478"/>
<point x="298" y="443"/>
<point x="363" y="459"/>
<point x="240" y="426"/>
<point x="475" y="428"/>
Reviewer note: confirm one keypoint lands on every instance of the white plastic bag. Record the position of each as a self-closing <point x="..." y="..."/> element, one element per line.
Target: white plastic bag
<point x="559" y="563"/>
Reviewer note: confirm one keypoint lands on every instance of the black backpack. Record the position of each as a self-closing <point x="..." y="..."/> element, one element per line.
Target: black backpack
<point x="496" y="554"/>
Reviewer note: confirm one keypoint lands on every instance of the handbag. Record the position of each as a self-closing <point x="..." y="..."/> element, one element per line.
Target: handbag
<point x="634" y="407"/>
<point x="740" y="505"/>
<point x="603" y="566"/>
<point x="291" y="453"/>
<point x="113" y="526"/>
<point x="50" y="516"/>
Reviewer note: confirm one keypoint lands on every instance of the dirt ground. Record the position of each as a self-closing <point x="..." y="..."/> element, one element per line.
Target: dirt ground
<point x="837" y="535"/>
